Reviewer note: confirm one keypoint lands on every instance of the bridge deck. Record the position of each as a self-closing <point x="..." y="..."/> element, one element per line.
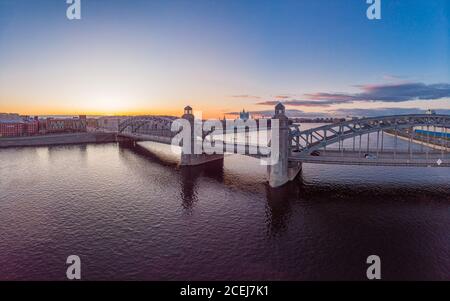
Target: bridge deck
<point x="385" y="158"/>
<point x="329" y="156"/>
<point x="148" y="137"/>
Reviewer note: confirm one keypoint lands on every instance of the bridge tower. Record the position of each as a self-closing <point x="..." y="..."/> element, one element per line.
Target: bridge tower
<point x="187" y="158"/>
<point x="193" y="158"/>
<point x="283" y="171"/>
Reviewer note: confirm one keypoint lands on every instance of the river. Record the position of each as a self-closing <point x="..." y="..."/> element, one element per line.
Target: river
<point x="130" y="215"/>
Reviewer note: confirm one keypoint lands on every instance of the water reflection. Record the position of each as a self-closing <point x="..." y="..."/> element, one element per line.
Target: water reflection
<point x="406" y="226"/>
<point x="306" y="191"/>
<point x="279" y="207"/>
<point x="144" y="152"/>
<point x="189" y="178"/>
<point x="189" y="175"/>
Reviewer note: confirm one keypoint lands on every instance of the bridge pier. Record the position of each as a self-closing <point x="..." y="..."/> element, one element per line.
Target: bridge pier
<point x="193" y="159"/>
<point x="284" y="170"/>
<point x="123" y="140"/>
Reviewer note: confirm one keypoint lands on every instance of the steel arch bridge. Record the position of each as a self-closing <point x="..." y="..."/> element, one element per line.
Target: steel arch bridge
<point x="311" y="145"/>
<point x="421" y="147"/>
<point x="154" y="125"/>
<point x="151" y="125"/>
<point x="325" y="144"/>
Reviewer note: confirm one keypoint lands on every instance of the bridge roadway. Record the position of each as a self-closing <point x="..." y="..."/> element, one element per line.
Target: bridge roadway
<point x="372" y="158"/>
<point x="165" y="137"/>
<point x="160" y="137"/>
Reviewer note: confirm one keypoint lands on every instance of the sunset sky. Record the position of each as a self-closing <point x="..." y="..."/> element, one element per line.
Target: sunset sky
<point x="319" y="57"/>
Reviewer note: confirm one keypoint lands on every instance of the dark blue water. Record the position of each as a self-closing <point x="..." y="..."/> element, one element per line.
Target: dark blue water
<point x="131" y="215"/>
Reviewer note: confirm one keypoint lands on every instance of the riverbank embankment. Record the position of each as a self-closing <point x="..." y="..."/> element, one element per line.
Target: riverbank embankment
<point x="58" y="139"/>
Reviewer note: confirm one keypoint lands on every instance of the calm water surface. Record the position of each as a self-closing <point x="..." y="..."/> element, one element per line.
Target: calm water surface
<point x="131" y="215"/>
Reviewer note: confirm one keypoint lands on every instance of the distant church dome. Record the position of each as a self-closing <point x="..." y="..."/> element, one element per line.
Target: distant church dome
<point x="244" y="115"/>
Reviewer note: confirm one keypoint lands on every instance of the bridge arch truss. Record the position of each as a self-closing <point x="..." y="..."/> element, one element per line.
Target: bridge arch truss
<point x="152" y="125"/>
<point x="305" y="142"/>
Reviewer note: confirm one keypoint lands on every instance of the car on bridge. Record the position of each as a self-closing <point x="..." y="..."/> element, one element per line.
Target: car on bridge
<point x="370" y="156"/>
<point x="315" y="153"/>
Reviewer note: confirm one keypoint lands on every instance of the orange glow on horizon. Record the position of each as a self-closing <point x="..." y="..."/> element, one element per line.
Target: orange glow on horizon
<point x="44" y="111"/>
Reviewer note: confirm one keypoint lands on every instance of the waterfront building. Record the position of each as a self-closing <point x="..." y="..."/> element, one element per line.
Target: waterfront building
<point x="14" y="125"/>
<point x="92" y="123"/>
<point x="64" y="125"/>
<point x="11" y="129"/>
<point x="10" y="125"/>
<point x="31" y="125"/>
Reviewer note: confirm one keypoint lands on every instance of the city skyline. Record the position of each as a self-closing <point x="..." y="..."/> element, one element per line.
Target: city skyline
<point x="156" y="57"/>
